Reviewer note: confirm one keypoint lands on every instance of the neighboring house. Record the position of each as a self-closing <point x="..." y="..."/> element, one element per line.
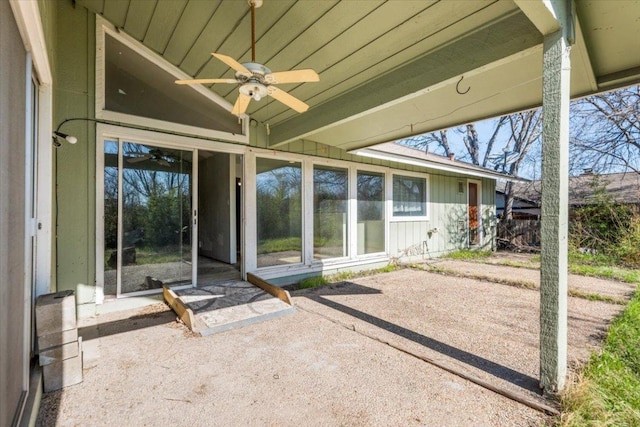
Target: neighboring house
<point x="524" y="206"/>
<point x="620" y="187"/>
<point x="166" y="183"/>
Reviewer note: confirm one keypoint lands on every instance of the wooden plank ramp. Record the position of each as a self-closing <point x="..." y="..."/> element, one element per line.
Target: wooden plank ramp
<point x="227" y="305"/>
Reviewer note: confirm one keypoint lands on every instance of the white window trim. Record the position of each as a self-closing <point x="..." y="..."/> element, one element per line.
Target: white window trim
<point x="29" y="22"/>
<point x="103" y="27"/>
<point x="308" y="263"/>
<point x="427" y="194"/>
<point x="27" y="16"/>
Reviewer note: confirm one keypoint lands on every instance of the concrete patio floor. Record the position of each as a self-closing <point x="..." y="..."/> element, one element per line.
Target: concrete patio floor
<point x="329" y="363"/>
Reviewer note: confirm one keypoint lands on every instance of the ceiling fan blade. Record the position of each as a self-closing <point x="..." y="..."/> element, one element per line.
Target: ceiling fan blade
<point x="288" y="100"/>
<point x="139" y="159"/>
<point x="163" y="162"/>
<point x="294" y="76"/>
<point x="204" y="81"/>
<point x="241" y="104"/>
<point x="232" y="63"/>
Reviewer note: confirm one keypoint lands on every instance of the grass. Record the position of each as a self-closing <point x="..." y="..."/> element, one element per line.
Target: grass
<point x="153" y="255"/>
<point x="314" y="282"/>
<point x="519" y="264"/>
<point x="582" y="264"/>
<point x="607" y="272"/>
<point x="280" y="245"/>
<point x="469" y="255"/>
<point x="607" y="393"/>
<point x="150" y="257"/>
<point x="502" y="281"/>
<point x="596" y="297"/>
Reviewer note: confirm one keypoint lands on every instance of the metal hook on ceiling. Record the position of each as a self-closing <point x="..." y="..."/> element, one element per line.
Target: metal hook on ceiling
<point x="458" y="87"/>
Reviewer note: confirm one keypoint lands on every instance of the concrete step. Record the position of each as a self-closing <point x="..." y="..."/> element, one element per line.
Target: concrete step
<point x="223" y="306"/>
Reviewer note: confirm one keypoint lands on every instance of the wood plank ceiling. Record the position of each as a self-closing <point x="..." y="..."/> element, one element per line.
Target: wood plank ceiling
<point x="370" y="52"/>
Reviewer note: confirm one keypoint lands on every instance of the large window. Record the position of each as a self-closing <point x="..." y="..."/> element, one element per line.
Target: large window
<point x="409" y="196"/>
<point x="279" y="207"/>
<point x="370" y="212"/>
<point x="136" y="85"/>
<point x="330" y="201"/>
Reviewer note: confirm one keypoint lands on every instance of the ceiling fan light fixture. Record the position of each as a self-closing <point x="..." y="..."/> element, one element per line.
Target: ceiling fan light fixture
<point x="255" y="90"/>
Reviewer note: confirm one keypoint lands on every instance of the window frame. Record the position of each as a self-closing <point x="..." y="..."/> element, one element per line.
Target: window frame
<point x="427" y="197"/>
<point x="303" y="205"/>
<point x="386" y="207"/>
<point x="334" y="165"/>
<point x="104" y="28"/>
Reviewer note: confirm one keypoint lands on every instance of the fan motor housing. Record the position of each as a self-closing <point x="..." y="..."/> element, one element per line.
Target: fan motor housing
<point x="258" y="72"/>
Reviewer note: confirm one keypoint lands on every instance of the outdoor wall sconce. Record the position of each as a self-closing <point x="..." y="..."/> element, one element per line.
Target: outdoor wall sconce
<point x="57" y="136"/>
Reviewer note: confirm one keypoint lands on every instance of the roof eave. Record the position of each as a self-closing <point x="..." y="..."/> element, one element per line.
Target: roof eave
<point x="454" y="167"/>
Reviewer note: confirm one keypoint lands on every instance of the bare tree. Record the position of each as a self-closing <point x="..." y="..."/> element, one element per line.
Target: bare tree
<point x="492" y="140"/>
<point x="423" y="141"/>
<point x="605" y="133"/>
<point x="526" y="131"/>
<point x="471" y="143"/>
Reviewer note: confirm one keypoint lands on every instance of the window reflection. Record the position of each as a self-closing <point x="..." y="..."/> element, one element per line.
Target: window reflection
<point x="370" y="212"/>
<point x="153" y="245"/>
<point x="330" y="201"/>
<point x="110" y="216"/>
<point x="409" y="196"/>
<point x="279" y="212"/>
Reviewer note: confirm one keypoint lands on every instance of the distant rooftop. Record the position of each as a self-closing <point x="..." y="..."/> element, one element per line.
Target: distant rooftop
<point x="622" y="187"/>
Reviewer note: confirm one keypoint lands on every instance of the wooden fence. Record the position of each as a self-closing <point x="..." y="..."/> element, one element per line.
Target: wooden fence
<point x="519" y="234"/>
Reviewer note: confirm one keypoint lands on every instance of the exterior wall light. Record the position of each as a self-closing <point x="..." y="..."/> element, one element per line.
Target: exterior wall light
<point x="57" y="136"/>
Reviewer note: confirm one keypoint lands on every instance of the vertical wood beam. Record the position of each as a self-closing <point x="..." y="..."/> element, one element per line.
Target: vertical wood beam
<point x="554" y="227"/>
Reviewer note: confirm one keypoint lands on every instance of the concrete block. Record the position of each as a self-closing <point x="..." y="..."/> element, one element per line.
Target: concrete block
<point x="56" y="354"/>
<point x="85" y="294"/>
<point x="63" y="373"/>
<point x="57" y="339"/>
<point x="55" y="312"/>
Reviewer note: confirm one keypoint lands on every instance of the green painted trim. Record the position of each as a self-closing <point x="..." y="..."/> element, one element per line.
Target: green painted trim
<point x="491" y="43"/>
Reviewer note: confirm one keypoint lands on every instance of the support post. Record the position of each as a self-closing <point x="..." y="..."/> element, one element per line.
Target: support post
<point x="554" y="227"/>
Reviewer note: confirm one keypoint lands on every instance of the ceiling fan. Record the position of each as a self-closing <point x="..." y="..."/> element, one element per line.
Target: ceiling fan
<point x="154" y="155"/>
<point x="257" y="81"/>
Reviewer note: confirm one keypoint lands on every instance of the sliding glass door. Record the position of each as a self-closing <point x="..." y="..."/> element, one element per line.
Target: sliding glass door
<point x="148" y="233"/>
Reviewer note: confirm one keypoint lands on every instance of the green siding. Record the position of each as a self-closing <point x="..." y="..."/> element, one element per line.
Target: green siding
<point x="74" y="87"/>
<point x="447" y="209"/>
<point x="194" y="17"/>
<point x="117" y="11"/>
<point x="139" y="17"/>
<point x="165" y="19"/>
